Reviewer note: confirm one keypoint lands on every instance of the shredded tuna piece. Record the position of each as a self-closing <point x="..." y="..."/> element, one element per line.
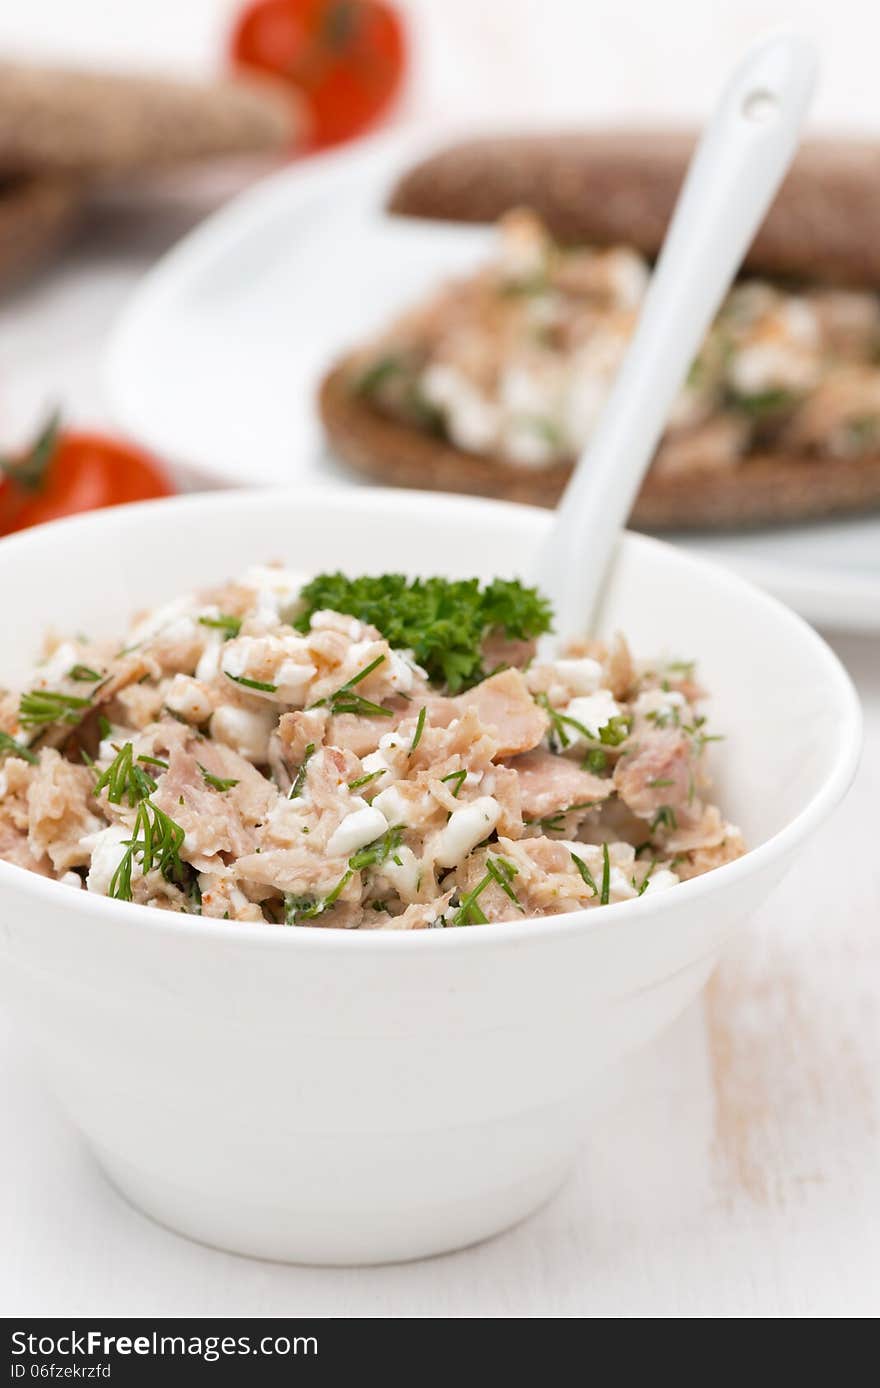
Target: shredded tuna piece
<point x="549" y="784"/>
<point x="506" y="708"/>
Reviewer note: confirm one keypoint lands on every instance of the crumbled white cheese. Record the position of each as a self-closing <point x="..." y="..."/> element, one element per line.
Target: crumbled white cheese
<point x="471" y="417"/>
<point x="392" y="805"/>
<point x="593" y="712"/>
<point x="660" y="879"/>
<point x="246" y="730"/>
<point x="108" y="850"/>
<point x="276" y="593"/>
<point x="404" y="876"/>
<point x="189" y="699"/>
<point x="59" y="663"/>
<point x="359" y="828"/>
<point x="466" y="828"/>
<point x="581" y="676"/>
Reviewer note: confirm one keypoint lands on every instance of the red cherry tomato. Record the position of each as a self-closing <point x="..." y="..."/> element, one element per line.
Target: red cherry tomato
<point x="66" y="472"/>
<point x="345" y="58"/>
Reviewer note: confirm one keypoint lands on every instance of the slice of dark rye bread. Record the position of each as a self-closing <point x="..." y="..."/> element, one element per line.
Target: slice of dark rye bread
<point x="36" y="214"/>
<point x="764" y="489"/>
<point x="613" y="187"/>
<point x="101" y="124"/>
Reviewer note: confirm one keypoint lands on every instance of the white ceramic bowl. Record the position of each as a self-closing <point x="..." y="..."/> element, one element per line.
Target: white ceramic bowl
<point x="323" y="1096"/>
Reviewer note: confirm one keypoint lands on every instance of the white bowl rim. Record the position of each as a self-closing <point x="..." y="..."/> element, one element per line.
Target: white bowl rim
<point x="135" y="916"/>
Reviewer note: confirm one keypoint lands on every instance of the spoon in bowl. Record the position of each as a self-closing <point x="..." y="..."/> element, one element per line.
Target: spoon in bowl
<point x="738" y="165"/>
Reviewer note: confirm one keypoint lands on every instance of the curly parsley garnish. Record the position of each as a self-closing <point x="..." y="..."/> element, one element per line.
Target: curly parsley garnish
<point x="443" y="621"/>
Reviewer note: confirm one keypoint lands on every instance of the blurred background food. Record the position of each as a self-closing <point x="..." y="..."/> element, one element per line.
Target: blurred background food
<point x="120" y="131"/>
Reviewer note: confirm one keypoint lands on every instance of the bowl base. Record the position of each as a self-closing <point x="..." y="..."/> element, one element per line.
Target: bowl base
<point x="332" y="1238"/>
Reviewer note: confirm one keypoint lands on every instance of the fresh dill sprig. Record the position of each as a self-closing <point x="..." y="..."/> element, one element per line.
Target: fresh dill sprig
<point x="154" y="761"/>
<point x="157" y="840"/>
<point x="124" y="779"/>
<point x="444" y="622"/>
<point x="10" y="747"/>
<point x="217" y="782"/>
<point x="300" y="778"/>
<point x="230" y="626"/>
<point x="42" y="706"/>
<point x="84" y="674"/>
<point x="664" y="819"/>
<point x="345" y="699"/>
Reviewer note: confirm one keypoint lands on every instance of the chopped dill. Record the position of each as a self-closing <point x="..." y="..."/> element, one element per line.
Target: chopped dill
<point x="10" y="747"/>
<point x="217" y="782"/>
<point x="605" y="894"/>
<point x="124" y="779"/>
<point x="42" y="706"/>
<point x="365" y="780"/>
<point x="585" y="873"/>
<point x="664" y="818"/>
<point x="251" y="684"/>
<point x="157" y="840"/>
<point x="345" y="699"/>
<point x="230" y="626"/>
<point x="84" y="674"/>
<point x="459" y="777"/>
<point x="300" y="778"/>
<point x="420" y="728"/>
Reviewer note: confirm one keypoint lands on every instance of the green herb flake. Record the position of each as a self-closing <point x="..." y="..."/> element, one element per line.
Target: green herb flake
<point x="252" y="684"/>
<point x="459" y="777"/>
<point x="123" y="779"/>
<point x="585" y="873"/>
<point x="300" y="778"/>
<point x="216" y="782"/>
<point x="605" y="894"/>
<point x="420" y="728"/>
<point x="9" y="747"/>
<point x="84" y="674"/>
<point x="230" y="626"/>
<point x="43" y="706"/>
<point x="345" y="699"/>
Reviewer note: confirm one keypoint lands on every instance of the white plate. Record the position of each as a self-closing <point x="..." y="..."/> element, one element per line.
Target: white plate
<point x="216" y="360"/>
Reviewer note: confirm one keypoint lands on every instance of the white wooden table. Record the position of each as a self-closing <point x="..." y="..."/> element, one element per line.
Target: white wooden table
<point x="735" y="1171"/>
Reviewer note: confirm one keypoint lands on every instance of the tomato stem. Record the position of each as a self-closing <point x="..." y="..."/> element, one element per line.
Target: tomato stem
<point x="30" y="470"/>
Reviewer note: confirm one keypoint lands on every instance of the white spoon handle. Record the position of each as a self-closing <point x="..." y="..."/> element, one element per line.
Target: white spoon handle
<point x="741" y="159"/>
